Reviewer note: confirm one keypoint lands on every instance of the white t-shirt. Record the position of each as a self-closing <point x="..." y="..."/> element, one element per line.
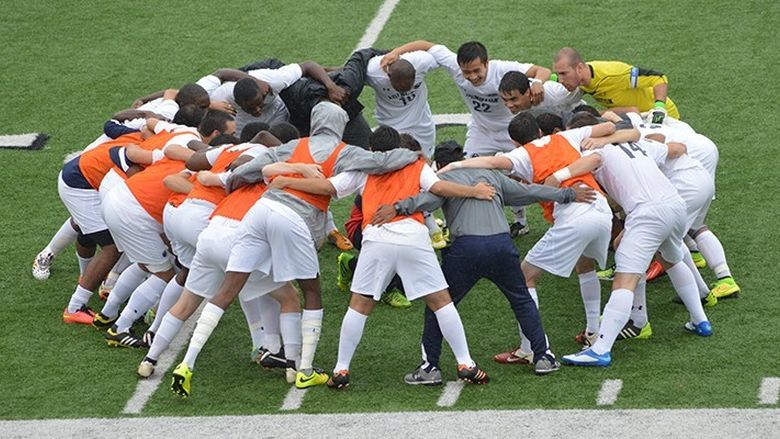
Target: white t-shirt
<point x="213" y="154"/>
<point x="629" y="173"/>
<point x="557" y="99"/>
<point x="407" y="112"/>
<point x="277" y="79"/>
<point x="163" y="107"/>
<point x="190" y="133"/>
<point x="701" y="151"/>
<point x="404" y="232"/>
<point x="487" y="130"/>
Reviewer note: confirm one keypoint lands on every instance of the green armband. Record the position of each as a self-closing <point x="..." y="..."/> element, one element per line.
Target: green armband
<point x="554" y="77"/>
<point x="660" y="104"/>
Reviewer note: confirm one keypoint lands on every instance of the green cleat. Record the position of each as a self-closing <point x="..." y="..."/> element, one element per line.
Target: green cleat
<point x="182" y="380"/>
<point x="607" y="274"/>
<point x="315" y="378"/>
<point x="396" y="300"/>
<point x="698" y="260"/>
<point x="344" y="277"/>
<point x="725" y="287"/>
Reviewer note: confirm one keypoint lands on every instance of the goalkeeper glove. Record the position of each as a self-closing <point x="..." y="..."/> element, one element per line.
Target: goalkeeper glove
<point x="658" y="114"/>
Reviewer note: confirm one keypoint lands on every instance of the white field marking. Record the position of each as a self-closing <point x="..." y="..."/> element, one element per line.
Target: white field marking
<point x="608" y="394"/>
<point x="451" y="119"/>
<point x="450" y="394"/>
<point x="642" y="423"/>
<point x="18" y="140"/>
<point x="294" y="399"/>
<point x="769" y="391"/>
<point x="375" y="27"/>
<point x="146" y="387"/>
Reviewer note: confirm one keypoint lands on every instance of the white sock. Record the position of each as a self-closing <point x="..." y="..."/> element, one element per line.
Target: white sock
<point x="120" y="266"/>
<point x="143" y="298"/>
<point x="331" y="223"/>
<point x="525" y="343"/>
<point x="712" y="250"/>
<point x="290" y="327"/>
<point x="690" y="243"/>
<point x="269" y="311"/>
<point x="208" y="320"/>
<point x="616" y="315"/>
<point x="79" y="298"/>
<point x="639" y="308"/>
<point x="128" y="281"/>
<point x="590" y="290"/>
<point x="519" y="212"/>
<point x="351" y="332"/>
<point x="169" y="298"/>
<point x="311" y="327"/>
<point x="254" y="320"/>
<point x="685" y="285"/>
<point x="430" y="223"/>
<point x="452" y="330"/>
<point x="83" y="262"/>
<point x="162" y="337"/>
<point x="64" y="237"/>
<point x="700" y="284"/>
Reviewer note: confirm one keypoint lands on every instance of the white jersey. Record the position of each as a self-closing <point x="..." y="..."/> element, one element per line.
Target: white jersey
<point x="557" y="99"/>
<point x="407" y="112"/>
<point x="629" y="173"/>
<point x="487" y="130"/>
<point x="164" y="107"/>
<point x="277" y="79"/>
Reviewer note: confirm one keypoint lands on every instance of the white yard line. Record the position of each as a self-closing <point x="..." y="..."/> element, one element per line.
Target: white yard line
<point x="294" y="399"/>
<point x="769" y="391"/>
<point x="608" y="394"/>
<point x="450" y="394"/>
<point x="377" y="24"/>
<point x="146" y="387"/>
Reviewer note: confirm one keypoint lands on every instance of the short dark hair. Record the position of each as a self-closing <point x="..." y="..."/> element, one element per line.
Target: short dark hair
<point x="285" y="131"/>
<point x="384" y="138"/>
<point x="402" y="70"/>
<point x="245" y="90"/>
<point x="215" y="120"/>
<point x="587" y="108"/>
<point x="470" y="51"/>
<point x="225" y="139"/>
<point x="409" y="142"/>
<point x="192" y="94"/>
<point x="548" y="122"/>
<point x="447" y="152"/>
<point x="581" y="119"/>
<point x="189" y="115"/>
<point x="251" y="129"/>
<point x="514" y="81"/>
<point x="523" y="128"/>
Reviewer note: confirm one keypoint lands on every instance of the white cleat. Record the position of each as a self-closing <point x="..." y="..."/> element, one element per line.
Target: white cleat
<point x="289" y="375"/>
<point x="145" y="369"/>
<point x="42" y="265"/>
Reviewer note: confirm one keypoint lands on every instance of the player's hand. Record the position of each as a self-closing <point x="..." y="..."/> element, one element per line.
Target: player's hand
<point x="656" y="116"/>
<point x="584" y="193"/>
<point x="280" y="182"/>
<point x="223" y="106"/>
<point x="537" y="93"/>
<point x="136" y="104"/>
<point x="552" y="181"/>
<point x="484" y="191"/>
<point x="389" y="58"/>
<point x="593" y="143"/>
<point x="170" y="94"/>
<point x="383" y="215"/>
<point x="337" y="94"/>
<point x="310" y="170"/>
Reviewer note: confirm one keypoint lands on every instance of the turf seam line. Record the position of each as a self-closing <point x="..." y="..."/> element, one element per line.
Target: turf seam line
<point x="294" y="399"/>
<point x="377" y="24"/>
<point x="450" y="394"/>
<point x="769" y="391"/>
<point x="608" y="394"/>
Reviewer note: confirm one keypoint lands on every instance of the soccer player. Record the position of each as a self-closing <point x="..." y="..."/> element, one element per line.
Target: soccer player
<point x="477" y="78"/>
<point x="481" y="248"/>
<point x="615" y="84"/>
<point x="515" y="92"/>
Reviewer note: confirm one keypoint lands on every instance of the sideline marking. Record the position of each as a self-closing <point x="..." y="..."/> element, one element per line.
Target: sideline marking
<point x="294" y="399"/>
<point x="610" y="389"/>
<point x="450" y="394"/>
<point x="769" y="391"/>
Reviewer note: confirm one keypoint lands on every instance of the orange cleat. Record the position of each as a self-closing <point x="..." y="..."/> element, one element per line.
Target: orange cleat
<point x="340" y="241"/>
<point x="655" y="271"/>
<point x="82" y="316"/>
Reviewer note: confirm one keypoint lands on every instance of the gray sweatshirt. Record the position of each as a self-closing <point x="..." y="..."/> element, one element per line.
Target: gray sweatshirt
<point x="327" y="125"/>
<point x="469" y="216"/>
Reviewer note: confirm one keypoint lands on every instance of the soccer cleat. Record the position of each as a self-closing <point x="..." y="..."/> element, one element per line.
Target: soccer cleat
<point x="514" y="357"/>
<point x="344" y="276"/>
<point x="269" y="360"/>
<point x="518" y="229"/>
<point x="82" y="316"/>
<point x="631" y="331"/>
<point x="289" y="375"/>
<point x="420" y="376"/>
<point x="315" y="378"/>
<point x="256" y="354"/>
<point x="41" y="267"/>
<point x="123" y="339"/>
<point x="340" y="241"/>
<point x="181" y="384"/>
<point x="702" y="329"/>
<point x="103" y="322"/>
<point x="708" y="301"/>
<point x="726" y="287"/>
<point x="607" y="274"/>
<point x="437" y="240"/>
<point x="104" y="291"/>
<point x="339" y="379"/>
<point x="586" y="338"/>
<point x="546" y="365"/>
<point x="473" y="375"/>
<point x="698" y="260"/>
<point x="396" y="299"/>
<point x="146" y="368"/>
<point x="148" y="338"/>
<point x="588" y="358"/>
<point x="655" y="271"/>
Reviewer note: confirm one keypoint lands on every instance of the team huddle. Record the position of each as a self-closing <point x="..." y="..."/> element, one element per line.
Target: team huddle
<point x="220" y="190"/>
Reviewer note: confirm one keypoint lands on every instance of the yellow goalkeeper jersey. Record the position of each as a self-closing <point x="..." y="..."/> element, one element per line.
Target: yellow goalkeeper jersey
<point x="617" y="84"/>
